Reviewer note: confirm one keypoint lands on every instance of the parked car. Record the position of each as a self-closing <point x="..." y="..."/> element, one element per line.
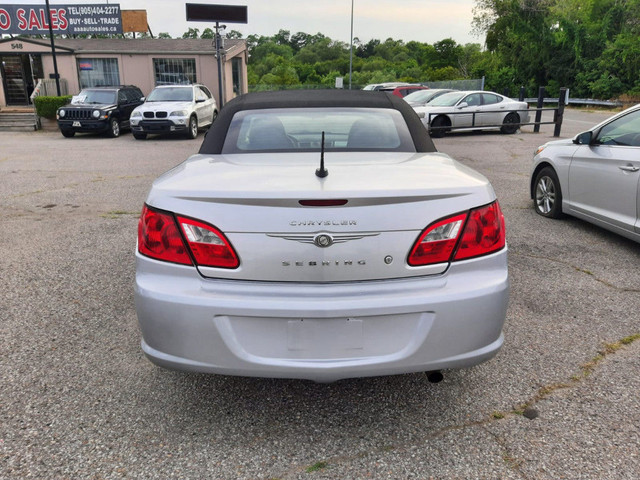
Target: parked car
<point x="419" y="98"/>
<point x="404" y="90"/>
<point x="473" y="110"/>
<point x="595" y="176"/>
<point x="379" y="86"/>
<point x="320" y="235"/>
<point x="99" y="110"/>
<point x="181" y="109"/>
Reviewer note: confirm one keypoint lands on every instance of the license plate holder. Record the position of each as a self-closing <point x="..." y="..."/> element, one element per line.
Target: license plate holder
<point x="333" y="333"/>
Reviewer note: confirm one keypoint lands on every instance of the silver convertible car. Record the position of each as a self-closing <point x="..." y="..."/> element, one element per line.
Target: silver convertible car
<point x="595" y="176"/>
<point x="319" y="235"/>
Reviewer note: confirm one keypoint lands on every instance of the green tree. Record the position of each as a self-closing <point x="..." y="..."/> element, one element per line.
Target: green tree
<point x="191" y="33"/>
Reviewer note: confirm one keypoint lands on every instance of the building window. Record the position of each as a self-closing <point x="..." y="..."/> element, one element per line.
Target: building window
<point x="236" y="70"/>
<point x="168" y="71"/>
<point x="94" y="72"/>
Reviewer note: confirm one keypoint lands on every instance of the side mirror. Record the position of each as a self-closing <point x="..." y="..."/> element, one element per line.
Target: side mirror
<point x="583" y="138"/>
<point x="462" y="105"/>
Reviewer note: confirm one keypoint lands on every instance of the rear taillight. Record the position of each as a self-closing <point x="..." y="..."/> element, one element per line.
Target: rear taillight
<point x="484" y="232"/>
<point x="209" y="246"/>
<point x="463" y="236"/>
<point x="159" y="237"/>
<point x="437" y="242"/>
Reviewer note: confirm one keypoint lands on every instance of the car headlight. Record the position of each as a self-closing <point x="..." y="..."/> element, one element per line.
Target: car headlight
<point x="178" y="113"/>
<point x="136" y="114"/>
<point x="96" y="113"/>
<point x="61" y="112"/>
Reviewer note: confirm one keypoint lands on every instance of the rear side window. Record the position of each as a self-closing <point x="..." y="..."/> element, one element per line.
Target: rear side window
<point x="297" y="129"/>
<point x="490" y="99"/>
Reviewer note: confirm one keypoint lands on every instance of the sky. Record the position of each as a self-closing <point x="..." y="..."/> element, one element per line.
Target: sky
<point x="421" y="20"/>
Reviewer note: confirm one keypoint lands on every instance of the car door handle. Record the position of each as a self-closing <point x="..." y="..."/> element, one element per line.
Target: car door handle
<point x="629" y="168"/>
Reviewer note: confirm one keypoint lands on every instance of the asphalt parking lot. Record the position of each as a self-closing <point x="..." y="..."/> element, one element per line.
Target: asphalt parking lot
<point x="78" y="400"/>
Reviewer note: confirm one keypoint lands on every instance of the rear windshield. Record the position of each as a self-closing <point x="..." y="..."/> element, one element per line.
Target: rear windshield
<point x="297" y="129"/>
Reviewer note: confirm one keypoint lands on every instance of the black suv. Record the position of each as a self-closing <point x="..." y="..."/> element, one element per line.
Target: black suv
<point x="99" y="110"/>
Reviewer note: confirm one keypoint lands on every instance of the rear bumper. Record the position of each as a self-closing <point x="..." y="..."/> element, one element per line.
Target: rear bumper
<point x="322" y="332"/>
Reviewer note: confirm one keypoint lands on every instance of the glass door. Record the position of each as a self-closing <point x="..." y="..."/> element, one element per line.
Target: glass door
<point x="14" y="79"/>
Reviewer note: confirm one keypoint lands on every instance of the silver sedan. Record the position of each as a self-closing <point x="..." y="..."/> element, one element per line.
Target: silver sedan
<point x="595" y="176"/>
<point x="473" y="110"/>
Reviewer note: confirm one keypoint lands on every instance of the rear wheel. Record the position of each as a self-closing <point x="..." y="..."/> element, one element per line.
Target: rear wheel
<point x="114" y="128"/>
<point x="547" y="194"/>
<point x="511" y="123"/>
<point x="67" y="133"/>
<point x="192" y="131"/>
<point x="438" y="126"/>
<point x="139" y="136"/>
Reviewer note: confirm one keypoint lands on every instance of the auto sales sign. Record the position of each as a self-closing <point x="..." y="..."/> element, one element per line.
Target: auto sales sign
<point x="65" y="19"/>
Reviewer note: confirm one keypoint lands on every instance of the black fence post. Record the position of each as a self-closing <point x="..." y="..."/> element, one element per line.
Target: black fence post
<point x="539" y="105"/>
<point x="505" y="91"/>
<point x="521" y="97"/>
<point x="557" y="118"/>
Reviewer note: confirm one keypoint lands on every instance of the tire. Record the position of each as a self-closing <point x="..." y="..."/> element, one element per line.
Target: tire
<point x="114" y="128"/>
<point x="140" y="136"/>
<point x="440" y="121"/>
<point x="192" y="131"/>
<point x="511" y="123"/>
<point x="215" y="115"/>
<point x="547" y="195"/>
<point x="67" y="133"/>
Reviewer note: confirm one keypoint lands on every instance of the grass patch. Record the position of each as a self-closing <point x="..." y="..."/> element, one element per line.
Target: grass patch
<point x="316" y="467"/>
<point x="118" y="213"/>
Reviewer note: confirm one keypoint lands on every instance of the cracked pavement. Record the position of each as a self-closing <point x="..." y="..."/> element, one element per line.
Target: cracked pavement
<point x="80" y="401"/>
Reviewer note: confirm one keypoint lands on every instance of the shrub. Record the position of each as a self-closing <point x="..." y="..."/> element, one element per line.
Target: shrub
<point x="47" y="106"/>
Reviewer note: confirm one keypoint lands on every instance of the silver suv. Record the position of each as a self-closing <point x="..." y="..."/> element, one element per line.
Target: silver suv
<point x="181" y="109"/>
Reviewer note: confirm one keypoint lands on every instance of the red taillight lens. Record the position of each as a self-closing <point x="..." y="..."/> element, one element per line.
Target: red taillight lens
<point x="477" y="233"/>
<point x="209" y="246"/>
<point x="159" y="238"/>
<point x="437" y="242"/>
<point x="484" y="232"/>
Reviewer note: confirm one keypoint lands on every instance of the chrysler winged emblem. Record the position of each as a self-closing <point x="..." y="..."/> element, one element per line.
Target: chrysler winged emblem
<point x="323" y="239"/>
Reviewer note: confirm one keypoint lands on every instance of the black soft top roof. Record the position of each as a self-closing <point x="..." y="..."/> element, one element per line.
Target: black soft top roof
<point x="315" y="99"/>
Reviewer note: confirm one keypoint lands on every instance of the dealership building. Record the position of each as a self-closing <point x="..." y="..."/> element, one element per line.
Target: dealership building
<point x="27" y="64"/>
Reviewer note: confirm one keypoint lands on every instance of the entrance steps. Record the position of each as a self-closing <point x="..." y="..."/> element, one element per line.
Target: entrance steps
<point x="16" y="119"/>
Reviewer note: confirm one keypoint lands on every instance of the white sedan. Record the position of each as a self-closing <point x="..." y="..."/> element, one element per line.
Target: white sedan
<point x="473" y="110"/>
<point x="595" y="176"/>
<point x="180" y="109"/>
<point x="320" y="235"/>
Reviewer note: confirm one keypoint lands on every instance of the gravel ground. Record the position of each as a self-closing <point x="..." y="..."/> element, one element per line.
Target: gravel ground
<point x="78" y="400"/>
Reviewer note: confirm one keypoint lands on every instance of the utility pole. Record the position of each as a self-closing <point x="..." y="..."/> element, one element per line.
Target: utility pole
<point x="53" y="49"/>
<point x="351" y="48"/>
<point x="219" y="49"/>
